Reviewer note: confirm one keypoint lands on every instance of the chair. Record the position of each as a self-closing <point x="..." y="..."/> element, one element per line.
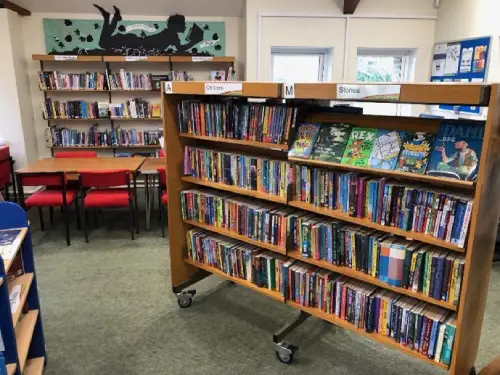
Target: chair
<point x="161" y="153"/>
<point x="7" y="176"/>
<point x="54" y="195"/>
<point x="105" y="193"/>
<point x="75" y="154"/>
<point x="162" y="198"/>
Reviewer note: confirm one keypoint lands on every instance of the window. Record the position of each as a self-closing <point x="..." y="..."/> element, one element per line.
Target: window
<point x="383" y="65"/>
<point x="297" y="64"/>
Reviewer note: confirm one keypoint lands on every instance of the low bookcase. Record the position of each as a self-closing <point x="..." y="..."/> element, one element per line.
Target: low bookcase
<point x="478" y="249"/>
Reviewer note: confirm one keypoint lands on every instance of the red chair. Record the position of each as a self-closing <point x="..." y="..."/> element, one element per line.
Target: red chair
<point x="75" y="154"/>
<point x="7" y="176"/>
<point x="105" y="193"/>
<point x="55" y="195"/>
<point x="163" y="198"/>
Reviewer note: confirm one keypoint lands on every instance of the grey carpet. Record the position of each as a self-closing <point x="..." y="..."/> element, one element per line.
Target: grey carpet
<point x="108" y="308"/>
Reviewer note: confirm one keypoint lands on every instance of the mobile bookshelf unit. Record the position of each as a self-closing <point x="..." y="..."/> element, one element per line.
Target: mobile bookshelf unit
<point x="484" y="220"/>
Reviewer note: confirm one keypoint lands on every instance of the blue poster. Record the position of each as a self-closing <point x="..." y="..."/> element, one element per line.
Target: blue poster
<point x="461" y="61"/>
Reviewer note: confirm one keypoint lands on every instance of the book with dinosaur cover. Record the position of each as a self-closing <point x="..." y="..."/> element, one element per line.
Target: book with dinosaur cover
<point x="457" y="150"/>
<point x="386" y="149"/>
<point x="359" y="147"/>
<point x="415" y="153"/>
<point x="331" y="142"/>
<point x="305" y="138"/>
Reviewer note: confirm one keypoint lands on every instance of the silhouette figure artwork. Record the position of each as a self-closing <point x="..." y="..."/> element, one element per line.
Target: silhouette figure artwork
<point x="112" y="35"/>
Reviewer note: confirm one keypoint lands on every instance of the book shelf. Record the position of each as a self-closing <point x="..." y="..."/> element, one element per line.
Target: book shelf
<point x="21" y="330"/>
<point x="161" y="63"/>
<point x="478" y="249"/>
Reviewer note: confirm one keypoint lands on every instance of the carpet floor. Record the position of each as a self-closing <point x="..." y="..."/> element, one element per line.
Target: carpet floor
<point x="108" y="308"/>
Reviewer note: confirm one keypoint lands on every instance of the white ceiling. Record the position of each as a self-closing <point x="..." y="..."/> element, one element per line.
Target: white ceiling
<point x="189" y="8"/>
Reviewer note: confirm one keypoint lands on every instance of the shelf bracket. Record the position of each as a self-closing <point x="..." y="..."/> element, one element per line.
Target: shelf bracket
<point x="290" y="327"/>
<point x="198" y="276"/>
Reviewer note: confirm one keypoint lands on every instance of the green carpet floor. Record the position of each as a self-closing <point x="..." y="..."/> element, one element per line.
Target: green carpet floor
<point x="108" y="309"/>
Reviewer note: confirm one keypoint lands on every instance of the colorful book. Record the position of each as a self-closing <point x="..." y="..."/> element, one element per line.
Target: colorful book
<point x="331" y="142"/>
<point x="386" y="149"/>
<point x="305" y="138"/>
<point x="359" y="147"/>
<point x="457" y="150"/>
<point x="415" y="153"/>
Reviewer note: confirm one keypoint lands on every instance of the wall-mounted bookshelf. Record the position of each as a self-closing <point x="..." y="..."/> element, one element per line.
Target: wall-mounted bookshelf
<point x="158" y="64"/>
<point x="188" y="267"/>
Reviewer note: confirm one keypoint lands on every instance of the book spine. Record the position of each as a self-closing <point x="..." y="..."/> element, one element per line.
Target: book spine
<point x="465" y="225"/>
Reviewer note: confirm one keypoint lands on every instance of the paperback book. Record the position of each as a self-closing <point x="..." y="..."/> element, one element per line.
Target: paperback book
<point x="415" y="153"/>
<point x="457" y="150"/>
<point x="305" y="138"/>
<point x="359" y="147"/>
<point x="386" y="149"/>
<point x="331" y="142"/>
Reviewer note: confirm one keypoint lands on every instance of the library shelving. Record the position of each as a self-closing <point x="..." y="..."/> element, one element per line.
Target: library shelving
<point x="21" y="318"/>
<point x="162" y="63"/>
<point x="478" y="250"/>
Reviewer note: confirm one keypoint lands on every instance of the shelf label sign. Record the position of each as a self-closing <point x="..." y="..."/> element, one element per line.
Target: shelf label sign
<point x="202" y="58"/>
<point x="167" y="88"/>
<point x="369" y="92"/>
<point x="136" y="58"/>
<point x="15" y="298"/>
<point x="288" y="90"/>
<point x="65" y="57"/>
<point x="224" y="88"/>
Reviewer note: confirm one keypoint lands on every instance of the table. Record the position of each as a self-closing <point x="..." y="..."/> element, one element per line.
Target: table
<point x="150" y="168"/>
<point x="72" y="166"/>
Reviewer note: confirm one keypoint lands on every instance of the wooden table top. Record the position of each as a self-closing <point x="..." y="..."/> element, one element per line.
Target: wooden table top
<point x="75" y="165"/>
<point x="151" y="165"/>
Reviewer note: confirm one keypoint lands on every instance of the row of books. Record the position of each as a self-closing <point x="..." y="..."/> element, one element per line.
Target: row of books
<point x="454" y="153"/>
<point x="415" y="208"/>
<point x="247" y="172"/>
<point x="424" y="328"/>
<point x="124" y="80"/>
<point x="72" y="81"/>
<point x="63" y="137"/>
<point x="223" y="75"/>
<point x="236" y="259"/>
<point x="237" y="120"/>
<point x="74" y="109"/>
<point x="135" y="108"/>
<point x="411" y="265"/>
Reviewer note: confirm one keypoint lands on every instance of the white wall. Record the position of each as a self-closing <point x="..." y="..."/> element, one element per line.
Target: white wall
<point x="34" y="43"/>
<point x="16" y="125"/>
<point x="320" y="23"/>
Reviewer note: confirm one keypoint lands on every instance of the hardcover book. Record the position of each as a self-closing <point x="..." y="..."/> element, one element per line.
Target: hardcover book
<point x="386" y="149"/>
<point x="331" y="142"/>
<point x="457" y="150"/>
<point x="305" y="138"/>
<point x="415" y="153"/>
<point x="359" y="147"/>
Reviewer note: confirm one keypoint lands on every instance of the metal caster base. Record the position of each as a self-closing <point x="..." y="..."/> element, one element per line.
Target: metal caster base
<point x="185" y="298"/>
<point x="472" y="371"/>
<point x="285" y="352"/>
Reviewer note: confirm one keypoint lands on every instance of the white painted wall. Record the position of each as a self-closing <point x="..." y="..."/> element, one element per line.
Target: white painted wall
<point x="34" y="43"/>
<point x="16" y="113"/>
<point x="320" y="23"/>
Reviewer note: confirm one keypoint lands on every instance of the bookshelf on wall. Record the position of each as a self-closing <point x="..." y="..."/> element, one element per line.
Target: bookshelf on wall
<point x="134" y="132"/>
<point x="187" y="148"/>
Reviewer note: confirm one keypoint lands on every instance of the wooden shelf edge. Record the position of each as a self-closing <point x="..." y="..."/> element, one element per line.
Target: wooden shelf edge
<point x="234" y="189"/>
<point x="82" y="90"/>
<point x="34" y="366"/>
<point x="267" y="292"/>
<point x="366" y="223"/>
<point x="264" y="145"/>
<point x="11" y="368"/>
<point x="79" y="58"/>
<point x="332" y="318"/>
<point x="395" y="174"/>
<point x="25" y="282"/>
<point x="24" y="334"/>
<point x="137" y="119"/>
<point x="236" y="236"/>
<point x="20" y="239"/>
<point x="358" y="275"/>
<point x="104" y="147"/>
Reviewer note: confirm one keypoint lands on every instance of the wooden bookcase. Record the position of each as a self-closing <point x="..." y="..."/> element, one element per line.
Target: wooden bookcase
<point x="165" y="63"/>
<point x="484" y="221"/>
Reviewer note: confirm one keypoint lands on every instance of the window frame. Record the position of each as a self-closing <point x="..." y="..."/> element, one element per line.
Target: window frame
<point x="325" y="59"/>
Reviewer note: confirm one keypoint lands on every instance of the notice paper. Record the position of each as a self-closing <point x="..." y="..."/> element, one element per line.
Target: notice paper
<point x="466" y="60"/>
<point x="438" y="68"/>
<point x="452" y="59"/>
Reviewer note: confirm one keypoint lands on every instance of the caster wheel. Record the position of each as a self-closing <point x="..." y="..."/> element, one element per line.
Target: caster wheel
<point x="283" y="357"/>
<point x="472" y="371"/>
<point x="184" y="301"/>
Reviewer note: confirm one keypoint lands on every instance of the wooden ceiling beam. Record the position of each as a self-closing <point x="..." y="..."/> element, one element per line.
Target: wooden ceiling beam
<point x="6" y="4"/>
<point x="350" y="6"/>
